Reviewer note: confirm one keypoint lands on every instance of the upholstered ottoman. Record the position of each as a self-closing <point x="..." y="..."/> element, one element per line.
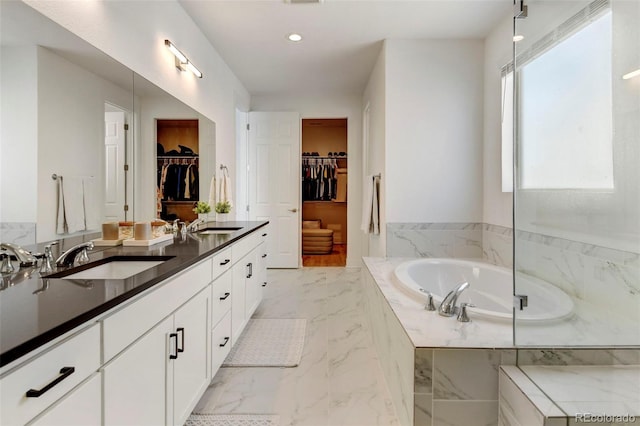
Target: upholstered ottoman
<point x="316" y="240"/>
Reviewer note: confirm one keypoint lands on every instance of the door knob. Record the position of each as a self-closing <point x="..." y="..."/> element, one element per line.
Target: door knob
<point x="293" y="210"/>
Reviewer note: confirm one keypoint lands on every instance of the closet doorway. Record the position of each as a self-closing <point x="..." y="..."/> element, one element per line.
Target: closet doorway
<point x="324" y="192"/>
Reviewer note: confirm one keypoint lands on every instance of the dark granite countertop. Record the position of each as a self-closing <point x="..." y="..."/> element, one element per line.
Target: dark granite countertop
<point x="36" y="310"/>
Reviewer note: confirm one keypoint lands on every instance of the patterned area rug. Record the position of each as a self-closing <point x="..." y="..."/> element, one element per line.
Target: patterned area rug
<point x="233" y="420"/>
<point x="269" y="343"/>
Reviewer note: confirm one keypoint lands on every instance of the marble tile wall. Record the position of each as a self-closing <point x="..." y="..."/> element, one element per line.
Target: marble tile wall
<point x="591" y="274"/>
<point x="456" y="387"/>
<point x="20" y="233"/>
<point x="451" y="240"/>
<point x="395" y="350"/>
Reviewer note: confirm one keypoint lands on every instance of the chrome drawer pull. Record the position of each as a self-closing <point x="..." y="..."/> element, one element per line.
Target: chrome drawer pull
<point x="64" y="373"/>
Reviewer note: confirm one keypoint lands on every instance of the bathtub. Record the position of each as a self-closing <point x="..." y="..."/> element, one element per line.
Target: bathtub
<point x="490" y="289"/>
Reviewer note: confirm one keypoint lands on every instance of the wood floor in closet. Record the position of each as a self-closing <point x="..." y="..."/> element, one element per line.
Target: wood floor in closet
<point x="338" y="257"/>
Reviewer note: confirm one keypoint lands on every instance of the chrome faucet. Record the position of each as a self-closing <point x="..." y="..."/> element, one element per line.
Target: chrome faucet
<point x="48" y="263"/>
<point x="68" y="258"/>
<point x="448" y="306"/>
<point x="25" y="257"/>
<point x="193" y="226"/>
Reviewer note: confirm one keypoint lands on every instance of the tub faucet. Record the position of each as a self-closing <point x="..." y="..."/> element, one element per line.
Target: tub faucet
<point x="448" y="306"/>
<point x="68" y="258"/>
<point x="26" y="258"/>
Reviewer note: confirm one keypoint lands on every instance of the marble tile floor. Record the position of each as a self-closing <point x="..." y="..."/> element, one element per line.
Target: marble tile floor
<point x="339" y="380"/>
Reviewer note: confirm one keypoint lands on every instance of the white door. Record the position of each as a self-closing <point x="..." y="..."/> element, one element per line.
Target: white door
<point x="274" y="183"/>
<point x="114" y="155"/>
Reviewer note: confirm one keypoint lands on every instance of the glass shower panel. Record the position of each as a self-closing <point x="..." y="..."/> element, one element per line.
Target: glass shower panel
<point x="577" y="173"/>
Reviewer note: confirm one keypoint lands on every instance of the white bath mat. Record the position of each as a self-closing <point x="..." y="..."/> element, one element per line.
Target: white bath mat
<point x="269" y="343"/>
<point x="233" y="420"/>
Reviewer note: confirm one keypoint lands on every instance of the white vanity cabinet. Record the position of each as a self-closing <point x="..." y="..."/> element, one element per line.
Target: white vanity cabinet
<point x="249" y="273"/>
<point x="33" y="387"/>
<point x="159" y="378"/>
<point x="81" y="407"/>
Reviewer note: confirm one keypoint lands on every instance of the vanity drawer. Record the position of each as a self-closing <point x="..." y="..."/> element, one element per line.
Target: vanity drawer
<point x="246" y="244"/>
<point x="222" y="262"/>
<point x="49" y="376"/>
<point x="127" y="324"/>
<point x="220" y="342"/>
<point x="221" y="296"/>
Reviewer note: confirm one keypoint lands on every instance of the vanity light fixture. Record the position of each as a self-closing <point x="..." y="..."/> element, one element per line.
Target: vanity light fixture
<point x="182" y="63"/>
<point x="294" y="37"/>
<point x="518" y="37"/>
<point x="631" y="74"/>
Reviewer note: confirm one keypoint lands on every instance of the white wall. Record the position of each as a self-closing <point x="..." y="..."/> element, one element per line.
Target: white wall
<point x="133" y="33"/>
<point x="374" y="97"/>
<point x="348" y="106"/>
<point x="19" y="137"/>
<point x="497" y="205"/>
<point x="434" y="122"/>
<point x="71" y="105"/>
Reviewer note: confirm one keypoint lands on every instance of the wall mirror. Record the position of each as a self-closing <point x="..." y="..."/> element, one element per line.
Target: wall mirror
<point x="70" y="111"/>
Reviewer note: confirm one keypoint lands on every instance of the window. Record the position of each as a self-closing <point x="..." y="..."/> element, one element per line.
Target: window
<point x="565" y="111"/>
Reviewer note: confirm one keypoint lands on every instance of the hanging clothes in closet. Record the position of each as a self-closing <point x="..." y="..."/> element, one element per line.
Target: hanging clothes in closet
<point x="319" y="179"/>
<point x="178" y="179"/>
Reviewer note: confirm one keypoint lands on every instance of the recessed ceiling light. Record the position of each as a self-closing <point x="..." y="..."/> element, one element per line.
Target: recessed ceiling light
<point x="294" y="37"/>
<point x="518" y="37"/>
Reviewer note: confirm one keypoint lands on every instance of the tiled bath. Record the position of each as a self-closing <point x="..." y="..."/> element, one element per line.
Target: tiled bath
<point x="454" y="365"/>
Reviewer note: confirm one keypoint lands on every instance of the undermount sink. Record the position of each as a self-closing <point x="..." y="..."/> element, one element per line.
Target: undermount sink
<point x="112" y="268"/>
<point x="219" y="230"/>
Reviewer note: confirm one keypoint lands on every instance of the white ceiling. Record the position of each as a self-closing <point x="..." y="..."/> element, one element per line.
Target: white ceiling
<point x="342" y="38"/>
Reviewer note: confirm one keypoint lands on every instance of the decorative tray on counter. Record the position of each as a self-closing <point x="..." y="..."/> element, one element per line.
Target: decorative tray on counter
<point x="134" y="242"/>
<point x="107" y="243"/>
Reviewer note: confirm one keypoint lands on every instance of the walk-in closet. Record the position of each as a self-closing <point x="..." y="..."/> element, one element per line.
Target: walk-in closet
<point x="178" y="171"/>
<point x="324" y="192"/>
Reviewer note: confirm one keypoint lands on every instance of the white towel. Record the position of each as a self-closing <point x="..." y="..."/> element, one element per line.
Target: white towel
<point x="212" y="193"/>
<point x="375" y="207"/>
<point x="61" y="221"/>
<point x="91" y="215"/>
<point x="367" y="203"/>
<point x="225" y="189"/>
<point x="74" y="204"/>
<point x="370" y="207"/>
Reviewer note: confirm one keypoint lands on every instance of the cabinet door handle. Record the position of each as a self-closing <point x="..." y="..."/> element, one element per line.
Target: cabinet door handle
<point x="226" y="340"/>
<point x="264" y="235"/>
<point x="264" y="255"/>
<point x="250" y="267"/>
<point x="64" y="373"/>
<point x="171" y="336"/>
<point x="225" y="262"/>
<point x="181" y="331"/>
<point x="225" y="296"/>
<point x="264" y="284"/>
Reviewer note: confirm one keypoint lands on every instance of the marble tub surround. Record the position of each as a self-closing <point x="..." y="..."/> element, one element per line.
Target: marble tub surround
<point x="597" y="275"/>
<point x="565" y="394"/>
<point x="497" y="245"/>
<point x="455" y="365"/>
<point x="454" y="240"/>
<point x="428" y="329"/>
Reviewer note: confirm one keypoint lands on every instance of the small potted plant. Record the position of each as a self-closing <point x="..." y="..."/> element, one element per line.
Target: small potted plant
<point x="202" y="208"/>
<point x="222" y="209"/>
